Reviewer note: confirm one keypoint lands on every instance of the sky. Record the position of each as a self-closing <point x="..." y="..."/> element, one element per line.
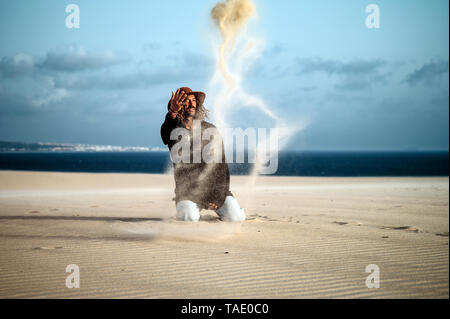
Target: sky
<point x="108" y="82"/>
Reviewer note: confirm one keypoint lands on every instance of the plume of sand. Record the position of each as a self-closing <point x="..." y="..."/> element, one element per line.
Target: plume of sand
<point x="231" y="17"/>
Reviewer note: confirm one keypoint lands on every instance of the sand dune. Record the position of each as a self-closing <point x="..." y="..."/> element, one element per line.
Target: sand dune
<point x="304" y="238"/>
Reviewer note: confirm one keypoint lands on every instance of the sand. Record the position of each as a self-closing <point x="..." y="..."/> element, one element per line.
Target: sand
<point x="304" y="238"/>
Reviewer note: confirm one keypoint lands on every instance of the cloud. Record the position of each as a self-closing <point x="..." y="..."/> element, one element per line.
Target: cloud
<point x="62" y="69"/>
<point x="357" y="74"/>
<point x="17" y="65"/>
<point x="187" y="66"/>
<point x="78" y="59"/>
<point x="58" y="82"/>
<point x="429" y="73"/>
<point x="108" y="81"/>
<point x="42" y="97"/>
<point x="49" y="97"/>
<point x="72" y="60"/>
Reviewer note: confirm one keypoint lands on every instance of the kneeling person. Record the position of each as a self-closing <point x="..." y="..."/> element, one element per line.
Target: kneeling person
<point x="199" y="184"/>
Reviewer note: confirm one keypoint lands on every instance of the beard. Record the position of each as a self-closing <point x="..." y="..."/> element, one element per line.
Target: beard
<point x="189" y="114"/>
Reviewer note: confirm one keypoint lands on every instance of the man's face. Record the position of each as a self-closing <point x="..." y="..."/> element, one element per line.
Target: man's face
<point x="190" y="105"/>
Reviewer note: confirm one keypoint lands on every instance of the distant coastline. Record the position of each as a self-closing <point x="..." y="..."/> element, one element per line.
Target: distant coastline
<point x="155" y="160"/>
<point x="66" y="147"/>
<point x="7" y="146"/>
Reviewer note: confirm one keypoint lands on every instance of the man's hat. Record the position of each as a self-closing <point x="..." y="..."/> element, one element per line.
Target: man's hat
<point x="199" y="96"/>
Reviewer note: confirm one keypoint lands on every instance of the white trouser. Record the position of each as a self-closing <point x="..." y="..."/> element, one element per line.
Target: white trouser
<point x="230" y="211"/>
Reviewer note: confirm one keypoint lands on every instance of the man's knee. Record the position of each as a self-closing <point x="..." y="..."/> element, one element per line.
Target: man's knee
<point x="231" y="211"/>
<point x="188" y="211"/>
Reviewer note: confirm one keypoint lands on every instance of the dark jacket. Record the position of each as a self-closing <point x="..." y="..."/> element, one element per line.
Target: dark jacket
<point x="202" y="183"/>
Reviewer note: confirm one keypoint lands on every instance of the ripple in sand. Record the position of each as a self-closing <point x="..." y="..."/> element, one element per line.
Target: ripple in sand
<point x="413" y="229"/>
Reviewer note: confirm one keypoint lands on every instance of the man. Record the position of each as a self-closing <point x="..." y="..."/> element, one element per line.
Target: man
<point x="198" y="184"/>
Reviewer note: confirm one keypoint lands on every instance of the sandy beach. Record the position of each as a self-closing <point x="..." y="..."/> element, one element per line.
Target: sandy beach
<point x="304" y="238"/>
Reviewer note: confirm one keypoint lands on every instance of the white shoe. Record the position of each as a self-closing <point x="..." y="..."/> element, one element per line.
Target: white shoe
<point x="231" y="211"/>
<point x="188" y="211"/>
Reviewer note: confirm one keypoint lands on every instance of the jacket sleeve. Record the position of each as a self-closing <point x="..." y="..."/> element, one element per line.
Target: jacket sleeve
<point x="167" y="127"/>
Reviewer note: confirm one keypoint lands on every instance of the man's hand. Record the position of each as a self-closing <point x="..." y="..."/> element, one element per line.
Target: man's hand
<point x="177" y="100"/>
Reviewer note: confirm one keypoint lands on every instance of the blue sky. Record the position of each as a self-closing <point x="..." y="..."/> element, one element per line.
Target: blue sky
<point x="109" y="81"/>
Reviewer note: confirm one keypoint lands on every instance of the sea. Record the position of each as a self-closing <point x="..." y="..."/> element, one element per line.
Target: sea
<point x="52" y="157"/>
